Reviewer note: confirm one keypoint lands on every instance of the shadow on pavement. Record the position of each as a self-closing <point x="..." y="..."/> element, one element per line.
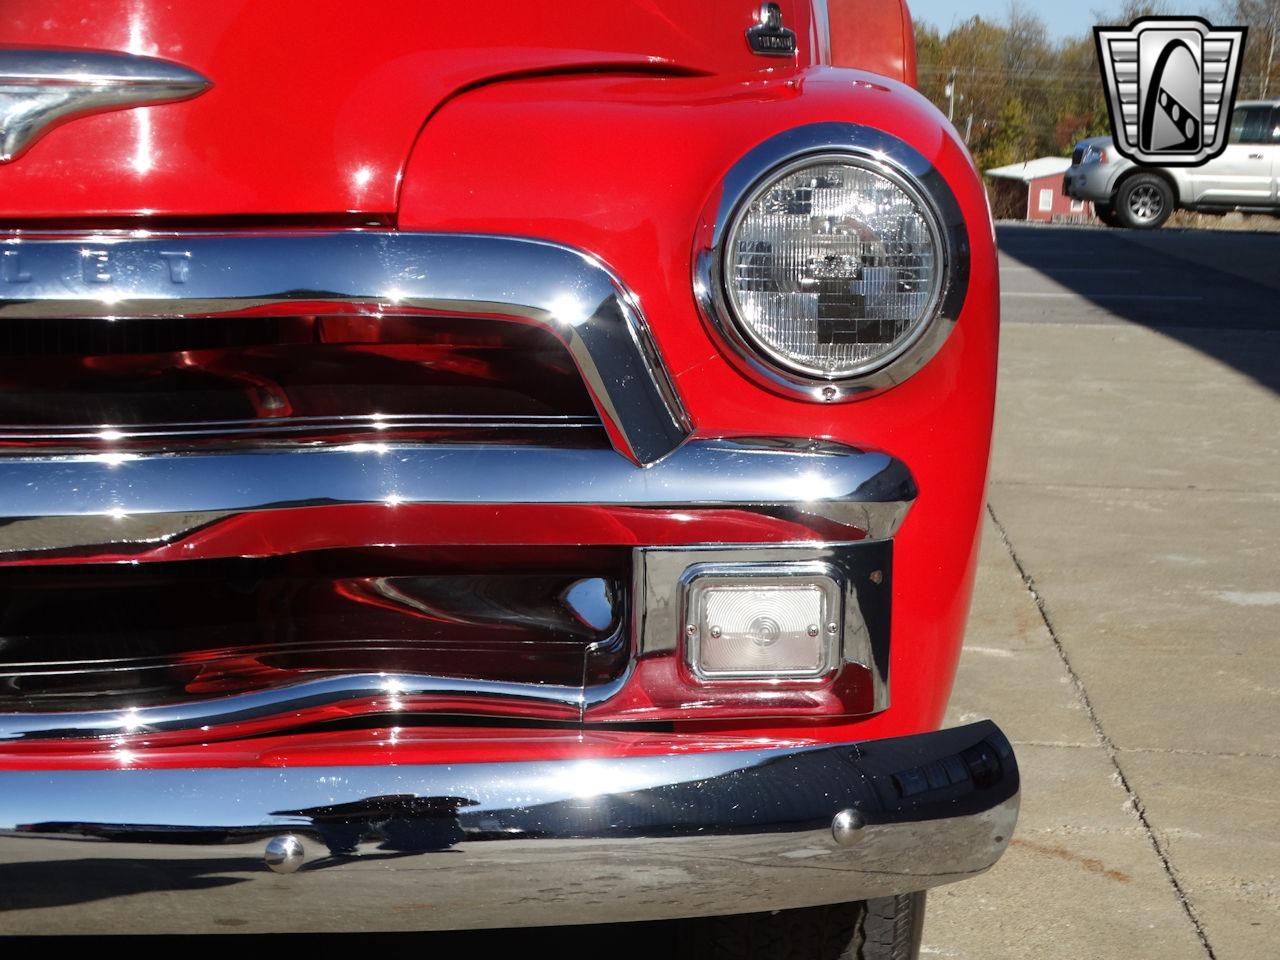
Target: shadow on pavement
<point x="26" y="886"/>
<point x="1176" y="282"/>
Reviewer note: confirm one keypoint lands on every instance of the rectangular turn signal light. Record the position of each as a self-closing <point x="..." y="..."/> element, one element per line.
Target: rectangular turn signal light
<point x="762" y="621"/>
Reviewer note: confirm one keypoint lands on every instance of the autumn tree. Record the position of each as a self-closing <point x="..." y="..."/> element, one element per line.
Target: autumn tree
<point x="1018" y="95"/>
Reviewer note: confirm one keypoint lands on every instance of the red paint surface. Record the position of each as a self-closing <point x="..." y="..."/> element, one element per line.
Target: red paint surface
<point x="874" y="35"/>
<point x="620" y="165"/>
<point x="624" y="167"/>
<point x="315" y="104"/>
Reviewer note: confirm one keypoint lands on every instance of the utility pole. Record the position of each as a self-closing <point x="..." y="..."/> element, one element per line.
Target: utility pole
<point x="1271" y="51"/>
<point x="950" y="91"/>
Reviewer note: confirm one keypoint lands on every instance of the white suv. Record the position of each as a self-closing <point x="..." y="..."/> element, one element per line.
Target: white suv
<point x="1245" y="176"/>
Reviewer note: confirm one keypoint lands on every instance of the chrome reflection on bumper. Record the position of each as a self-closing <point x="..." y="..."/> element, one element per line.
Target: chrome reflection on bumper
<point x="80" y="505"/>
<point x="121" y="275"/>
<point x="502" y="844"/>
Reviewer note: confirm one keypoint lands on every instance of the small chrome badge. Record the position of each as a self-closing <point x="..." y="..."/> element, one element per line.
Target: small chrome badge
<point x="769" y="37"/>
<point x="42" y="88"/>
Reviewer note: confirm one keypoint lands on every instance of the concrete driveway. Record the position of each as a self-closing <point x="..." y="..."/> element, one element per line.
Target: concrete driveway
<point x="1126" y="625"/>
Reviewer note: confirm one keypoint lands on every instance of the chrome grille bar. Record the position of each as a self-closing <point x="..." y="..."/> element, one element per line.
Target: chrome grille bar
<point x="137" y="274"/>
<point x="278" y="707"/>
<point x="91" y="503"/>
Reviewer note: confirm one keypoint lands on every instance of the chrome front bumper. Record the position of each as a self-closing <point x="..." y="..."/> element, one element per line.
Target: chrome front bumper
<point x="502" y="844"/>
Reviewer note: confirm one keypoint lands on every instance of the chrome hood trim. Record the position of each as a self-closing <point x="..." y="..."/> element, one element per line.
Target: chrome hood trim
<point x="42" y="88"/>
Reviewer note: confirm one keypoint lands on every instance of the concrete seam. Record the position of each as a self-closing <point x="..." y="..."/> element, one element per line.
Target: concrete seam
<point x="1153" y="326"/>
<point x="1201" y="753"/>
<point x="1174" y="751"/>
<point x="1248" y="492"/>
<point x="1113" y="754"/>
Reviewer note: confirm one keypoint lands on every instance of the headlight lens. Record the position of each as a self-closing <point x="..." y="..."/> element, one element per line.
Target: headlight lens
<point x="833" y="268"/>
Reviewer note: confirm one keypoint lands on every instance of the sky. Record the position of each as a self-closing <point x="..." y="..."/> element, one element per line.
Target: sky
<point x="1064" y="18"/>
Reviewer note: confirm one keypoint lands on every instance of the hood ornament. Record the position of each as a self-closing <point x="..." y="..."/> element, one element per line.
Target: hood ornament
<point x="769" y="37"/>
<point x="42" y="88"/>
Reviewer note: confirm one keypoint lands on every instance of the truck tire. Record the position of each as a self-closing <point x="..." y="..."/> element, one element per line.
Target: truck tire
<point x="1144" y="202"/>
<point x="888" y="928"/>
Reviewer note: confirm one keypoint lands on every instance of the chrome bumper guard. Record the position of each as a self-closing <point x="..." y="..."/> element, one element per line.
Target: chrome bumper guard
<point x="500" y="844"/>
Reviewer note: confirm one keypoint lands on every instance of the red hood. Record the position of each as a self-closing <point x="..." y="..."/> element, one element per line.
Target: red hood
<point x="315" y="104"/>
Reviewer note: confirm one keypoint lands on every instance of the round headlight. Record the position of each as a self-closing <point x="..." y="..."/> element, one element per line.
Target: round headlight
<point x="833" y="266"/>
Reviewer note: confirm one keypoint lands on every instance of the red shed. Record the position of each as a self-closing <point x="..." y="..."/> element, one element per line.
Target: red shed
<point x="1033" y="191"/>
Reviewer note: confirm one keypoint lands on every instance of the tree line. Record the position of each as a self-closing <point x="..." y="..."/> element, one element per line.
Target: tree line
<point x="1014" y="94"/>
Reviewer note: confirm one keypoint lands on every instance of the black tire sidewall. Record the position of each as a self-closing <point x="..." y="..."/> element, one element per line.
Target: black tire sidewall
<point x="886" y="928"/>
<point x="1106" y="212"/>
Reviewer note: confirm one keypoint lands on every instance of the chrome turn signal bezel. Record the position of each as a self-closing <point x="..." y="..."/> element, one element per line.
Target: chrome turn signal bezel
<point x="862" y="146"/>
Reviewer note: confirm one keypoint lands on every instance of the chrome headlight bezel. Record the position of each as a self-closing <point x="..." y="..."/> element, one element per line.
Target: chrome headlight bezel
<point x="755" y="173"/>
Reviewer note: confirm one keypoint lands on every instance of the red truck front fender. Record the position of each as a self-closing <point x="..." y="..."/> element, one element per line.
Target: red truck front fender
<point x="626" y="168"/>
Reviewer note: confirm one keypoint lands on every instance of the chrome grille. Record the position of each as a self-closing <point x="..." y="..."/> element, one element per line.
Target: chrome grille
<point x="142" y="569"/>
<point x="183" y="380"/>
<point x="374" y="275"/>
<point x="112" y="636"/>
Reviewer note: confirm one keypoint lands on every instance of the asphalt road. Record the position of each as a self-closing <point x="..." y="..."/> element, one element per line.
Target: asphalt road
<point x="1168" y="279"/>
